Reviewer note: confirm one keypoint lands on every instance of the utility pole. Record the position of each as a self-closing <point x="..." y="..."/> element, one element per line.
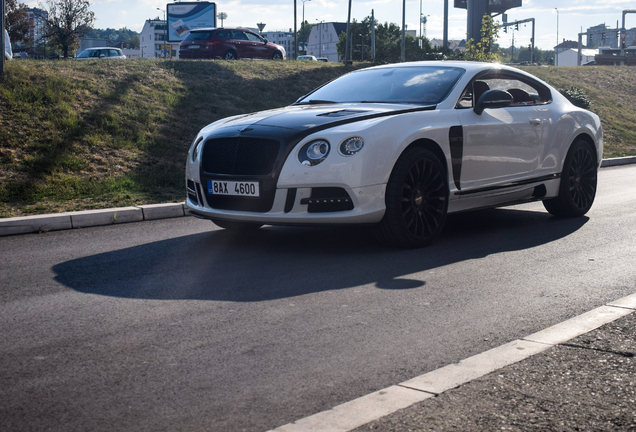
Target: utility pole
<point x="403" y="53"/>
<point x="445" y="40"/>
<point x="295" y="33"/>
<point x="2" y="48"/>
<point x="165" y="32"/>
<point x="372" y="35"/>
<point x="346" y="59"/>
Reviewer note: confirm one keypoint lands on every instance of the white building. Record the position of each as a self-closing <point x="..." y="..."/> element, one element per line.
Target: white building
<point x="284" y="39"/>
<point x="152" y="41"/>
<point x="453" y="45"/>
<point x="37" y="19"/>
<point x="568" y="57"/>
<point x="323" y="39"/>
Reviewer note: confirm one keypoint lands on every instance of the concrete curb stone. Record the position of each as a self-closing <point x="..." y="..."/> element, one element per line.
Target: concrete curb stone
<point x="90" y="218"/>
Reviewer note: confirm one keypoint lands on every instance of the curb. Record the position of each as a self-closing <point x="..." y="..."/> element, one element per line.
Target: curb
<point x="358" y="412"/>
<point x="90" y="218"/>
<point x="618" y="161"/>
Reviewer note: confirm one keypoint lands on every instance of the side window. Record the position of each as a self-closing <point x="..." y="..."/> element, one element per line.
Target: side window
<point x="253" y="37"/>
<point x="113" y="53"/>
<point x="223" y="35"/>
<point x="238" y="35"/>
<point x="523" y="90"/>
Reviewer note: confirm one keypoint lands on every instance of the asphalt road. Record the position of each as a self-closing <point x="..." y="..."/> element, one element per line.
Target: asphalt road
<point x="177" y="325"/>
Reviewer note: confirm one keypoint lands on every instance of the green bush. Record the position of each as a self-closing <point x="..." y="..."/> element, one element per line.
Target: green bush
<point x="577" y="96"/>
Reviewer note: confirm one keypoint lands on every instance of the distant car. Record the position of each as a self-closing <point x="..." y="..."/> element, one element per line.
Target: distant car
<point x="101" y="53"/>
<point x="323" y="59"/>
<point x="591" y="63"/>
<point x="228" y="44"/>
<point x="399" y="146"/>
<point x="307" y="57"/>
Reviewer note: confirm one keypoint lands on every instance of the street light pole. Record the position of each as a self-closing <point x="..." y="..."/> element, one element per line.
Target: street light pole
<point x="403" y="50"/>
<point x="302" y="24"/>
<point x="165" y="32"/>
<point x="556" y="49"/>
<point x="320" y="23"/>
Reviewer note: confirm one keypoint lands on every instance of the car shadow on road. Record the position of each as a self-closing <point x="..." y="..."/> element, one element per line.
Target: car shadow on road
<point x="280" y="262"/>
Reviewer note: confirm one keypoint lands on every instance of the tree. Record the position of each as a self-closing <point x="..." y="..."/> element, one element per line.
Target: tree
<point x="68" y="20"/>
<point x="480" y="51"/>
<point x="17" y="21"/>
<point x="303" y="33"/>
<point x="388" y="39"/>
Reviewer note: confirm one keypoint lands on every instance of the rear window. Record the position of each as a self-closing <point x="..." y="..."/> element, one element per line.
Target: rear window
<point x="197" y="36"/>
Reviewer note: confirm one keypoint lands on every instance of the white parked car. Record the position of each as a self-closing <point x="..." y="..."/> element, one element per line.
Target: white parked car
<point x="100" y="53"/>
<point x="399" y="146"/>
<point x="307" y="57"/>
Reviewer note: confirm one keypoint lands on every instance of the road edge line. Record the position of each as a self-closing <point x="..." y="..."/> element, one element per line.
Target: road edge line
<point x="365" y="409"/>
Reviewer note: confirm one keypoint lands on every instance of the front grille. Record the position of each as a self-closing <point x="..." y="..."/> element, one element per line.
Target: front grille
<point x="240" y="156"/>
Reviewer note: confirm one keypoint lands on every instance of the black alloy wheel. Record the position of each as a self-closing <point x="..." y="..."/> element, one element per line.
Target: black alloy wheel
<point x="578" y="183"/>
<point x="416" y="200"/>
<point x="277" y="56"/>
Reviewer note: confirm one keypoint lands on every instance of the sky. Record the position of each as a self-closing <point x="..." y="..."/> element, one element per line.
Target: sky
<point x="574" y="16"/>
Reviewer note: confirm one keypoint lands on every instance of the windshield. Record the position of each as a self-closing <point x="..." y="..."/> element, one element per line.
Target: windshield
<point x="412" y="85"/>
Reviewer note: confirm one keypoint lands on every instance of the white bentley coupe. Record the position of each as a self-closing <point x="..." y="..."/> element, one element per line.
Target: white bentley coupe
<point x="399" y="146"/>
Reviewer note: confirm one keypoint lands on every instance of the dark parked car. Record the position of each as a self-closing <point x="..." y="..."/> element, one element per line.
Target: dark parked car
<point x="228" y="44"/>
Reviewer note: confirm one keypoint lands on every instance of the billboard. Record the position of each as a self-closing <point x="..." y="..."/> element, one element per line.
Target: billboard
<point x="494" y="6"/>
<point x="186" y="16"/>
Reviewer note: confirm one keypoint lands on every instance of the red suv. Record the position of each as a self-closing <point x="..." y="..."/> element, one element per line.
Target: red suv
<point x="228" y="44"/>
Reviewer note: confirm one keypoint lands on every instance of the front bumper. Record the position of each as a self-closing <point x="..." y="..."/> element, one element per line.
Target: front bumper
<point x="291" y="207"/>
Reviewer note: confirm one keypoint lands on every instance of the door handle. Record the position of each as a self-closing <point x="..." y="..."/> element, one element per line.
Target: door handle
<point x="535" y="121"/>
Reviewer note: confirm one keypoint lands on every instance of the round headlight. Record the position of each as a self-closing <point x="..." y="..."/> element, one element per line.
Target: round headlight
<point x="314" y="152"/>
<point x="351" y="146"/>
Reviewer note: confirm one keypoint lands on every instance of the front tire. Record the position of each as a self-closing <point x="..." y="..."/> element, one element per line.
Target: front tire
<point x="578" y="183"/>
<point x="277" y="56"/>
<point x="237" y="226"/>
<point x="416" y="200"/>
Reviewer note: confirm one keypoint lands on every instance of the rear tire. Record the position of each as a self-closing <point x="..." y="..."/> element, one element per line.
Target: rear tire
<point x="578" y="183"/>
<point x="237" y="226"/>
<point x="416" y="200"/>
<point x="230" y="55"/>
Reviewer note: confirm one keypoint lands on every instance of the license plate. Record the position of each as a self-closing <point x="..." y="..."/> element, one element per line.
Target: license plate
<point x="194" y="46"/>
<point x="217" y="187"/>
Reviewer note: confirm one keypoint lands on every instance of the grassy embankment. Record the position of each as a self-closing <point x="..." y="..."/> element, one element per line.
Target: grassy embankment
<point x="95" y="134"/>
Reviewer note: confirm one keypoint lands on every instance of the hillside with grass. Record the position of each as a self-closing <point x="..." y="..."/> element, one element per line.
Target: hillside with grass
<point x="95" y="134"/>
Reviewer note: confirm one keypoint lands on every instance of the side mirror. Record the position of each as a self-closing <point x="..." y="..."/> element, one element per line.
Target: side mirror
<point x="265" y="41"/>
<point x="493" y="99"/>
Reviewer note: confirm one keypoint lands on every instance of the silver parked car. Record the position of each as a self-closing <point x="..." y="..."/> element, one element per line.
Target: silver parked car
<point x="100" y="53"/>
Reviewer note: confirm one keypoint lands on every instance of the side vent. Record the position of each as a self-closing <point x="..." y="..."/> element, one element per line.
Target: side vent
<point x="291" y="197"/>
<point x="191" y="191"/>
<point x="328" y="199"/>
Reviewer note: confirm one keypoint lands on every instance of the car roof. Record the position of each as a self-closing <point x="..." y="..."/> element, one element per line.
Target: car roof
<point x="96" y="48"/>
<point x="207" y="29"/>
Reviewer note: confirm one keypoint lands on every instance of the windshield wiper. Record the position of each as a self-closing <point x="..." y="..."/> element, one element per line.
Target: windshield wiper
<point x="316" y="102"/>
